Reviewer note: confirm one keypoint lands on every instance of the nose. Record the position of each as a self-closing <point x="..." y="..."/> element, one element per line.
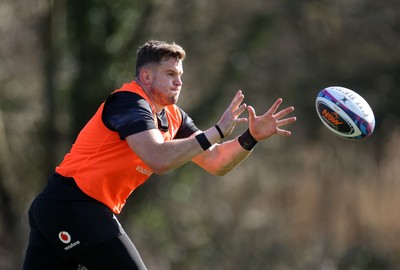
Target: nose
<point x="178" y="81"/>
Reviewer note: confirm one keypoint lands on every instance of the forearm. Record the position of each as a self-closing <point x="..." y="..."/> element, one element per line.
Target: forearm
<point x="222" y="158"/>
<point x="163" y="156"/>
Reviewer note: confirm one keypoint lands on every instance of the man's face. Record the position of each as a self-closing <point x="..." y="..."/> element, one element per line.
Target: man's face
<point x="166" y="82"/>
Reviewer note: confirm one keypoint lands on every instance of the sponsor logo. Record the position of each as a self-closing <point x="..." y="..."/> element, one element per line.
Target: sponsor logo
<point x="344" y="99"/>
<point x="64" y="237"/>
<point x="143" y="170"/>
<point x="72" y="245"/>
<point x="332" y="117"/>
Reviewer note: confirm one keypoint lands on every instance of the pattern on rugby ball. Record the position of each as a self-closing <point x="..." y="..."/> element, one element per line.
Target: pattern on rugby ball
<point x="345" y="112"/>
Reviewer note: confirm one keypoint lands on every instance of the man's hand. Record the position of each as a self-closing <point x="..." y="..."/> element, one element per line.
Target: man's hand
<point x="264" y="126"/>
<point x="230" y="118"/>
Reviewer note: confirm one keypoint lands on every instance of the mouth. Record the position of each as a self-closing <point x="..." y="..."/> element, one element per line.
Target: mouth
<point x="175" y="91"/>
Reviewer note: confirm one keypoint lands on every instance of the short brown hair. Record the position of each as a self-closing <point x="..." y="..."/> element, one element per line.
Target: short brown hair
<point x="155" y="51"/>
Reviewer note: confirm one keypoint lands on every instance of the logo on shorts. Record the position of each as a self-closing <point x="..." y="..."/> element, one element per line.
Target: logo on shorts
<point x="64" y="237"/>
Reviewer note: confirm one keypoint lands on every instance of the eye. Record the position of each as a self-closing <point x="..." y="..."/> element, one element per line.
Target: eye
<point x="171" y="74"/>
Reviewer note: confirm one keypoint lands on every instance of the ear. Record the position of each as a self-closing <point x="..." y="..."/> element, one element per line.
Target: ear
<point x="146" y="76"/>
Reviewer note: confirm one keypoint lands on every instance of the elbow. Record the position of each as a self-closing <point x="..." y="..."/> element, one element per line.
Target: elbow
<point x="159" y="168"/>
<point x="218" y="172"/>
<point x="221" y="173"/>
<point x="160" y="172"/>
<point x="215" y="168"/>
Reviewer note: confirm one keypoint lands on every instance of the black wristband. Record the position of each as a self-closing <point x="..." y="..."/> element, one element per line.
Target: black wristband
<point x="219" y="131"/>
<point x="247" y="141"/>
<point x="203" y="141"/>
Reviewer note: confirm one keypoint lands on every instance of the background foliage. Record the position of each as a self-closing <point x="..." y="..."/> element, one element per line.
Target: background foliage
<point x="311" y="201"/>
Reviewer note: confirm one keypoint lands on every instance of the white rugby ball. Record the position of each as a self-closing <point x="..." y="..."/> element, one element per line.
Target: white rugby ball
<point x="345" y="113"/>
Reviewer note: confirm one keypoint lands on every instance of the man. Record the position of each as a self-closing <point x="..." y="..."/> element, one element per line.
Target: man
<point x="138" y="130"/>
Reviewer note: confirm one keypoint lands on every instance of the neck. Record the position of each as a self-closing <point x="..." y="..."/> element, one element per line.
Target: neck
<point x="149" y="94"/>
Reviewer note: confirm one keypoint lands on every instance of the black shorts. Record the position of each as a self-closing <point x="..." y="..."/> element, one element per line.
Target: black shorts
<point x="70" y="223"/>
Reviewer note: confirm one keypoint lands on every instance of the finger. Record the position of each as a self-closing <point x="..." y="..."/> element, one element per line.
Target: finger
<point x="241" y="109"/>
<point x="286" y="121"/>
<point x="252" y="112"/>
<point x="240" y="121"/>
<point x="275" y="106"/>
<point x="284" y="132"/>
<point x="284" y="112"/>
<point x="237" y="100"/>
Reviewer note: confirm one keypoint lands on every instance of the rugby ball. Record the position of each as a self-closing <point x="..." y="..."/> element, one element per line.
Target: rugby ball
<point x="345" y="113"/>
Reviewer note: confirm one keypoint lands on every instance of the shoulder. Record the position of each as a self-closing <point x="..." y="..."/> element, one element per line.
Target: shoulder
<point x="125" y="99"/>
<point x="127" y="113"/>
<point x="188" y="126"/>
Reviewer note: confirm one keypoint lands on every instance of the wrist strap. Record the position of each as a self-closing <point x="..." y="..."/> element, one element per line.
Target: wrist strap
<point x="219" y="131"/>
<point x="247" y="141"/>
<point x="203" y="141"/>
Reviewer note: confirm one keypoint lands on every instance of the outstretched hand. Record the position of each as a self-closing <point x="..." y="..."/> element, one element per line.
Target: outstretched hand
<point x="230" y="118"/>
<point x="264" y="126"/>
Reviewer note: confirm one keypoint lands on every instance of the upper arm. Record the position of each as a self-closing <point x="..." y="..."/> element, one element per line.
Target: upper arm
<point x="146" y="145"/>
<point x="127" y="113"/>
<point x="188" y="128"/>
